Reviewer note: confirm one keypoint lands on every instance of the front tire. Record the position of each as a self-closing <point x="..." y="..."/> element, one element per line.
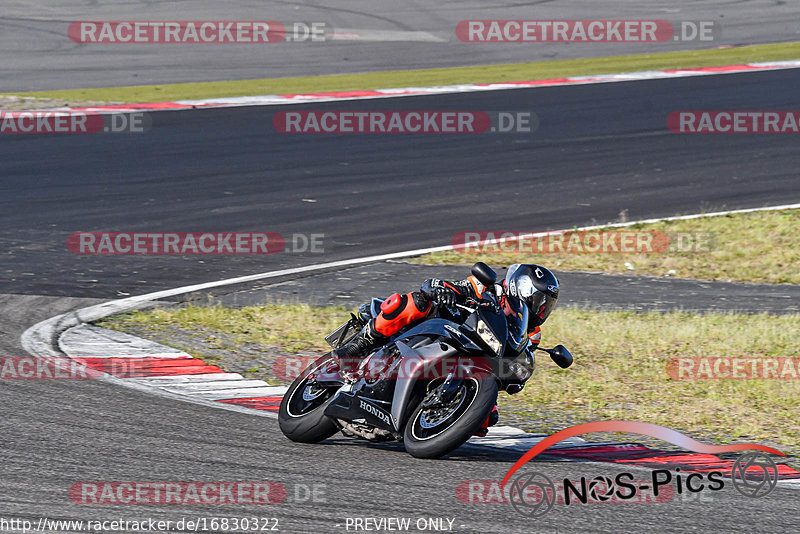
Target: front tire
<point x="301" y="414"/>
<point x="431" y="433"/>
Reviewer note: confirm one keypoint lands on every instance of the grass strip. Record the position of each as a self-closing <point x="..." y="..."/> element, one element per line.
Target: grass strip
<point x="426" y="77"/>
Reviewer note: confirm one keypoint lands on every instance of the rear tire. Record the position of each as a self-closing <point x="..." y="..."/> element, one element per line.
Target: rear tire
<point x="301" y="415"/>
<point x="431" y="435"/>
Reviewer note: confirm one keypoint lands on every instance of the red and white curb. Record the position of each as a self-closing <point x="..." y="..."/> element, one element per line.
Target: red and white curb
<point x="335" y="96"/>
<point x="164" y="369"/>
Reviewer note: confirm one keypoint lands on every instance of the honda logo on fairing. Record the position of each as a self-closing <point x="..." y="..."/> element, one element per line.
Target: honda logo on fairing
<point x="380" y="414"/>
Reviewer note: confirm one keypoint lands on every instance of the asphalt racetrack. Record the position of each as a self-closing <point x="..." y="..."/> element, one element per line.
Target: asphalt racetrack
<point x="599" y="150"/>
<point x="35" y="53"/>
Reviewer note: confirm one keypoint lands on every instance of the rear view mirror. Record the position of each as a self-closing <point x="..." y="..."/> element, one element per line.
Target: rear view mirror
<point x="558" y="354"/>
<point x="561" y="356"/>
<point x="484" y="274"/>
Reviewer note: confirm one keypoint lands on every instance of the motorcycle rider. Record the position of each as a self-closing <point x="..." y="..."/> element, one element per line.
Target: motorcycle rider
<point x="533" y="285"/>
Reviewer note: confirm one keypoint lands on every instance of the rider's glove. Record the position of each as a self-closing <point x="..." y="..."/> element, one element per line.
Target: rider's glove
<point x="444" y="296"/>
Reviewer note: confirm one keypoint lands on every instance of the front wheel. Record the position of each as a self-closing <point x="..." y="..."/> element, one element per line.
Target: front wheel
<point x="436" y="430"/>
<point x="301" y="415"/>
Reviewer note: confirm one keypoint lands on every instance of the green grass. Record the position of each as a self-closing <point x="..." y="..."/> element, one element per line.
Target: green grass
<point x="428" y="77"/>
<point x="746" y="247"/>
<point x="292" y="328"/>
<point x="619" y="370"/>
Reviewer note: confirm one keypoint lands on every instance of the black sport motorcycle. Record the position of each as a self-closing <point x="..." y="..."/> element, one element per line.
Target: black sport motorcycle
<point x="431" y="386"/>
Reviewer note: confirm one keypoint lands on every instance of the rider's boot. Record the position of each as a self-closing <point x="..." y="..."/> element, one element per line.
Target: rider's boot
<point x="351" y="353"/>
<point x="491" y="420"/>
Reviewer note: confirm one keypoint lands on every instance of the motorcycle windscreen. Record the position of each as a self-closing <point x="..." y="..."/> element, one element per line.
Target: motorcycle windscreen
<point x="517" y="322"/>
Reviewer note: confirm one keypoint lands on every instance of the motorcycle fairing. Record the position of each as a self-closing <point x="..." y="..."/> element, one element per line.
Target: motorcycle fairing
<point x="350" y="406"/>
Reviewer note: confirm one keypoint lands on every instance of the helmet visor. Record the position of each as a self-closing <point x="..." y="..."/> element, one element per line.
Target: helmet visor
<point x="541" y="306"/>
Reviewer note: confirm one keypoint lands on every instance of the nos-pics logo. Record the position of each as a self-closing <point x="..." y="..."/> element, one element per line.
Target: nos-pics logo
<point x="533" y="494"/>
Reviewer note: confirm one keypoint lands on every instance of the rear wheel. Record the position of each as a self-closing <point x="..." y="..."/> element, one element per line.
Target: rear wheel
<point x="301" y="415"/>
<point x="436" y="430"/>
